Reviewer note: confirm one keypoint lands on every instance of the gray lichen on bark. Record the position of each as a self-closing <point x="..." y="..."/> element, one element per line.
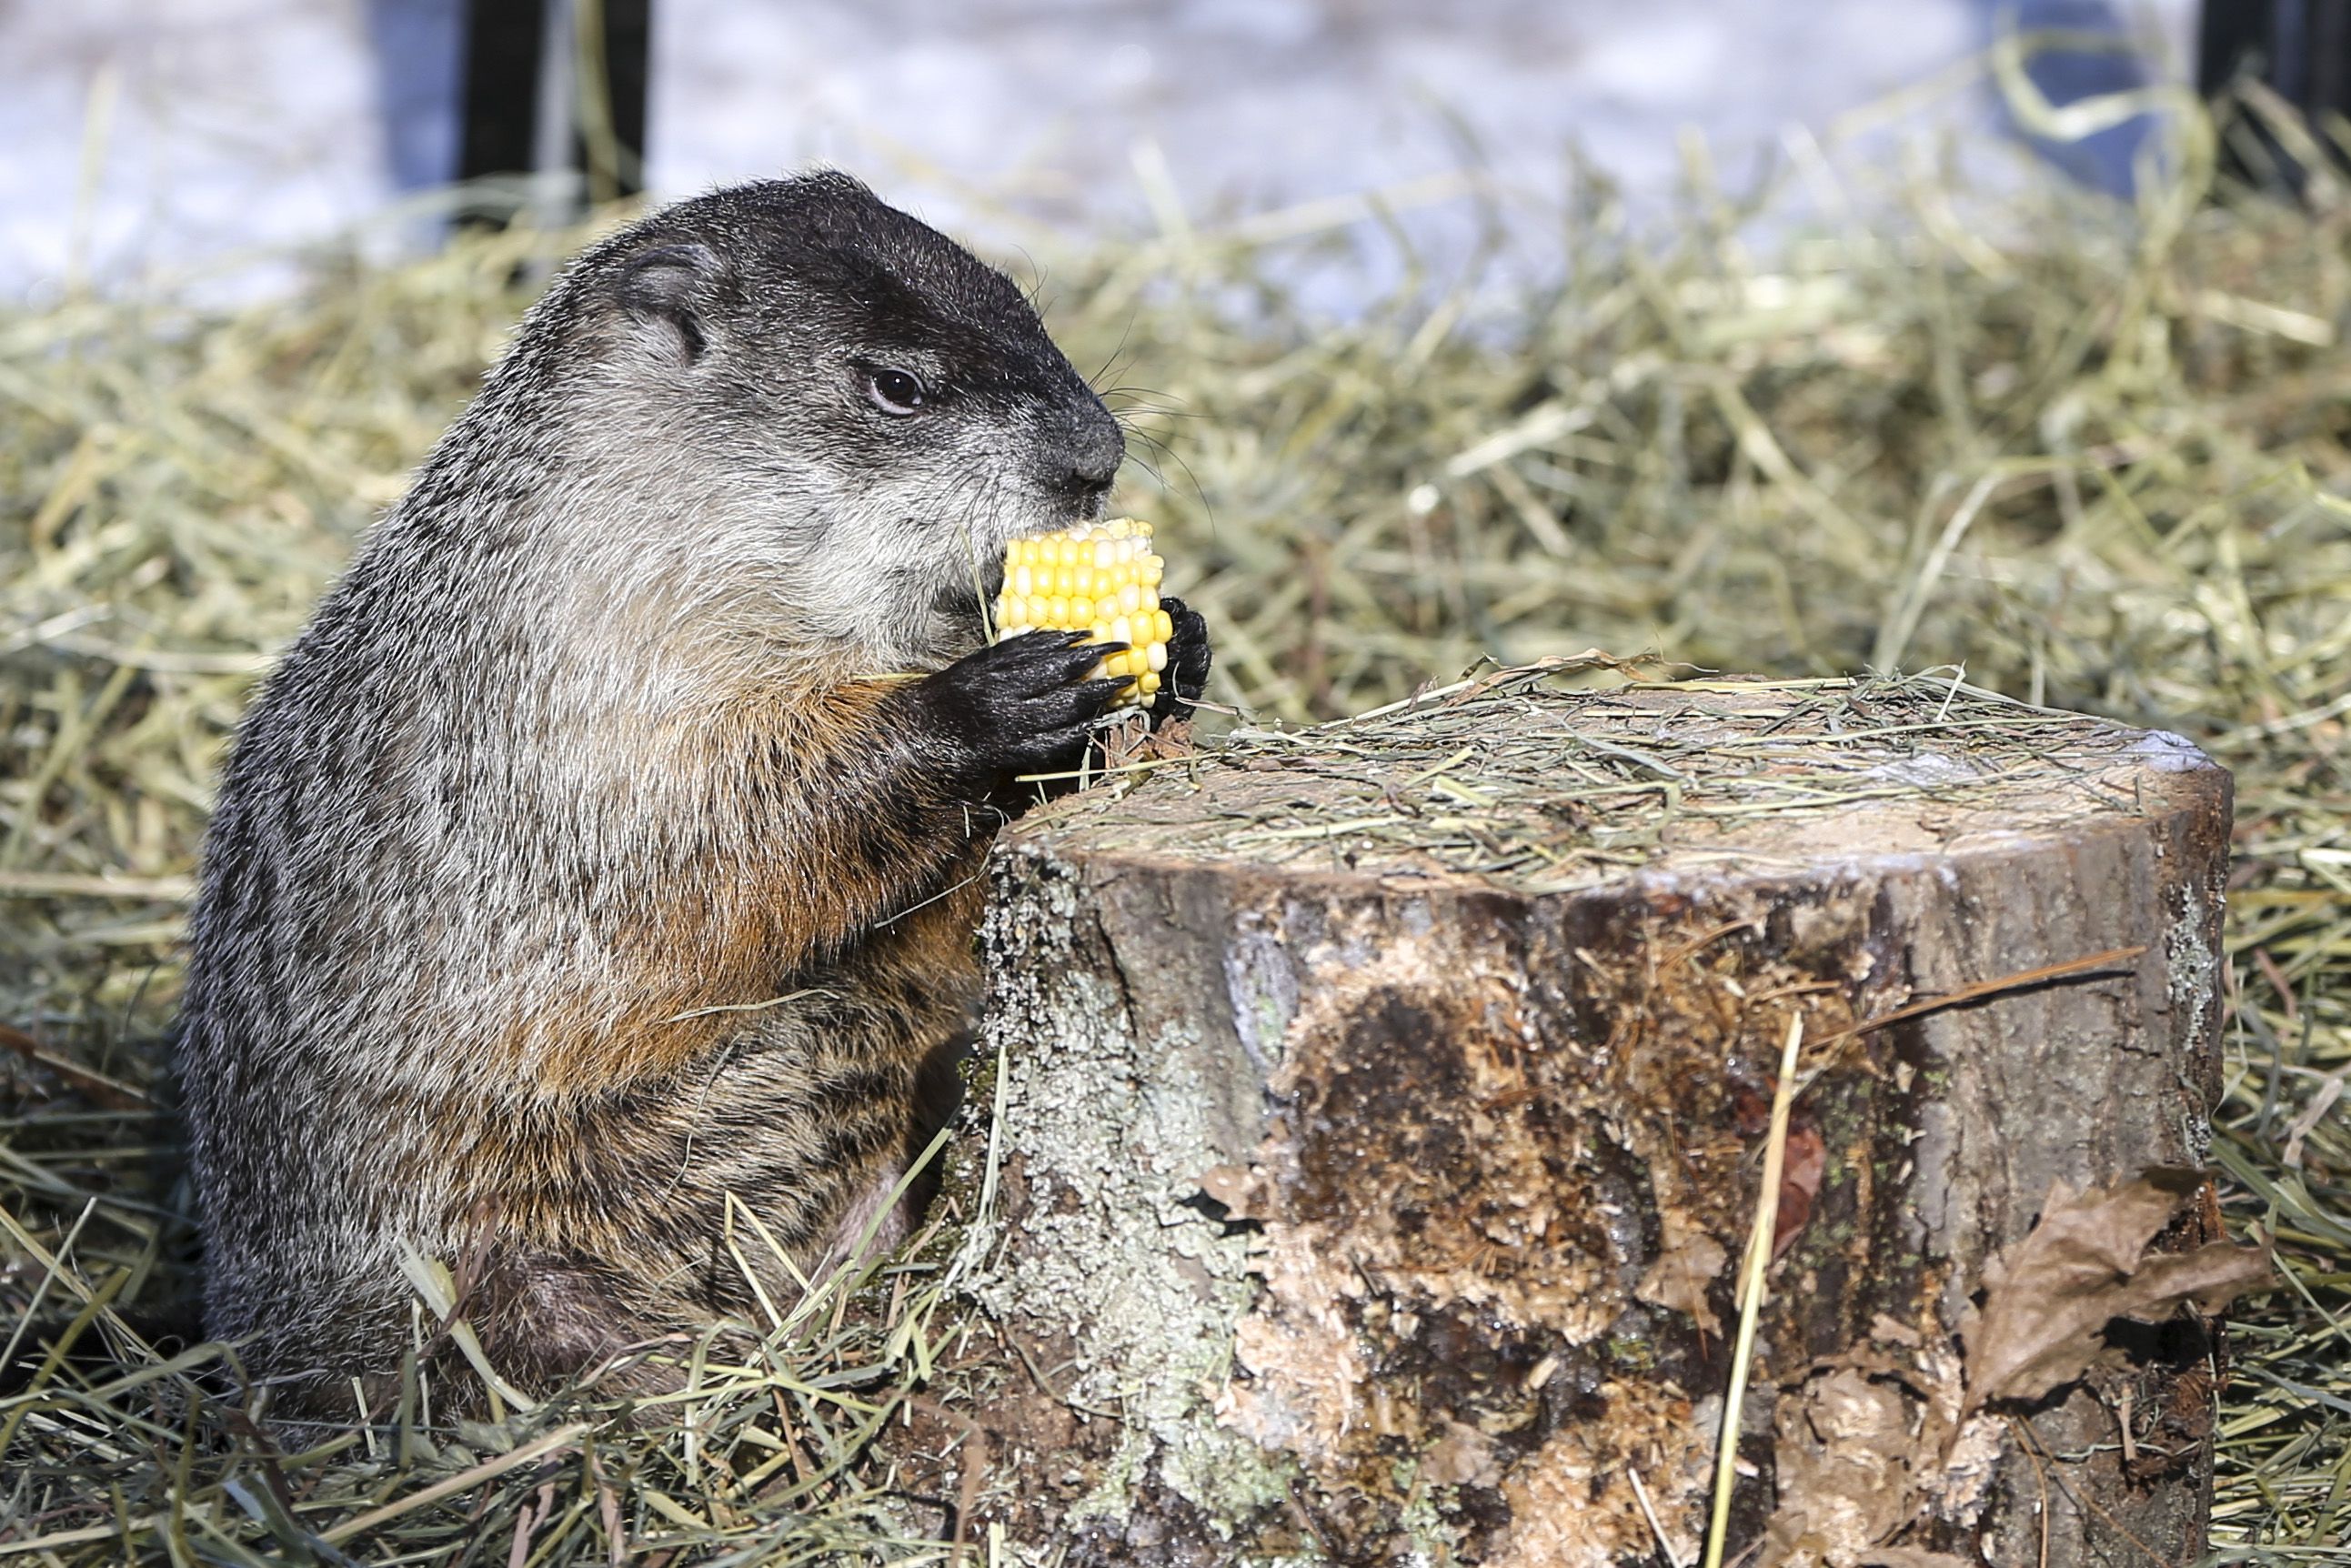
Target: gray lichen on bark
<point x="1111" y="1136"/>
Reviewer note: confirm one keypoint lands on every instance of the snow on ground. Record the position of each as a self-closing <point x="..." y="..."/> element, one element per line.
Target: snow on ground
<point x="211" y="129"/>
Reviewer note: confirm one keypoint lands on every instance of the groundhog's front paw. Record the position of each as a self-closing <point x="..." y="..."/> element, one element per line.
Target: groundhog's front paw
<point x="1023" y="705"/>
<point x="1187" y="663"/>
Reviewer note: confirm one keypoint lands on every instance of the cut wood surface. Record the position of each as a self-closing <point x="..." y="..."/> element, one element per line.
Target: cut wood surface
<point x="1371" y="1120"/>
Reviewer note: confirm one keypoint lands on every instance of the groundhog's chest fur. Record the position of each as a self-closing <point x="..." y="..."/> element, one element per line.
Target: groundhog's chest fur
<point x="606" y="1083"/>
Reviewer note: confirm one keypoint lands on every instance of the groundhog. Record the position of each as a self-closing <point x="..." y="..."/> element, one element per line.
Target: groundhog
<point x="597" y="873"/>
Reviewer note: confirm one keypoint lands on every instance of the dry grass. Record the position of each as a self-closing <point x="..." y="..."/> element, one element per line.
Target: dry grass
<point x="2097" y="461"/>
<point x="1592" y="783"/>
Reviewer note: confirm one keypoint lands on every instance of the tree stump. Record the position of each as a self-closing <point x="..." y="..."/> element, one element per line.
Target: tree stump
<point x="1376" y="1115"/>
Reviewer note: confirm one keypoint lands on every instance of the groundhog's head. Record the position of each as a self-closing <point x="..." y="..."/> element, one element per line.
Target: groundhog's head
<point x="841" y="407"/>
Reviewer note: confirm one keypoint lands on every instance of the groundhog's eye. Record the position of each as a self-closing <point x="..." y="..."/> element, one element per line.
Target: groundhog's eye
<point x="896" y="391"/>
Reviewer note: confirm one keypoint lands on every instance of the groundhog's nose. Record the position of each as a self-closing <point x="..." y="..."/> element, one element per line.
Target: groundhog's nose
<point x="1086" y="460"/>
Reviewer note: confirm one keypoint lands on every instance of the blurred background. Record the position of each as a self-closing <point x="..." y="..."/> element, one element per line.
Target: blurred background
<point x="172" y="136"/>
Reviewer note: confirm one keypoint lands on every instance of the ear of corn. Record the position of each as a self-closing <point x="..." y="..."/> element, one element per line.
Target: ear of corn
<point x="1100" y="578"/>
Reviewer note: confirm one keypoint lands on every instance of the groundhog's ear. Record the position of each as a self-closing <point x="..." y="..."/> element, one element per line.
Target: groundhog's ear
<point x="667" y="288"/>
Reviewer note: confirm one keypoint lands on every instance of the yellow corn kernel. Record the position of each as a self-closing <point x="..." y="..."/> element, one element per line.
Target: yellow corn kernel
<point x="1099" y="577"/>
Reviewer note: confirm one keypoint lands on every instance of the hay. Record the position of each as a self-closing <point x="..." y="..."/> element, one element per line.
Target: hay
<point x="2092" y="462"/>
<point x="1590" y="784"/>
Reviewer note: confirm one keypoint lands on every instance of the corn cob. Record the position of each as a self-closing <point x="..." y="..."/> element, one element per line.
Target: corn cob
<point x="1100" y="577"/>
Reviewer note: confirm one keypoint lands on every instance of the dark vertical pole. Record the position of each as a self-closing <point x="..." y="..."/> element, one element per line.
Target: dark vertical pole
<point x="2329" y="77"/>
<point x="628" y="53"/>
<point x="2230" y="34"/>
<point x="608" y="44"/>
<point x="504" y="40"/>
<point x="2300" y="50"/>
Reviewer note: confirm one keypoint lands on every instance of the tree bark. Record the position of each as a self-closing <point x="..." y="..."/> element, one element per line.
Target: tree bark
<point x="1376" y="1115"/>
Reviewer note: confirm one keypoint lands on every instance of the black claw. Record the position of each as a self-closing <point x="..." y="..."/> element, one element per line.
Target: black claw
<point x="1188" y="658"/>
<point x="1024" y="706"/>
<point x="1031" y="664"/>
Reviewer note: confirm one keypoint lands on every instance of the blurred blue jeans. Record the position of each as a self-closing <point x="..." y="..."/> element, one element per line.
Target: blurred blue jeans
<point x="2107" y="160"/>
<point x="419" y="48"/>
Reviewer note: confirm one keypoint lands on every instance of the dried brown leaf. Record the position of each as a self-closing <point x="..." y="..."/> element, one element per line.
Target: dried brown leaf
<point x="1799" y="1182"/>
<point x="1688" y="1259"/>
<point x="1463" y="1457"/>
<point x="1845" y="1455"/>
<point x="2049" y="1298"/>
